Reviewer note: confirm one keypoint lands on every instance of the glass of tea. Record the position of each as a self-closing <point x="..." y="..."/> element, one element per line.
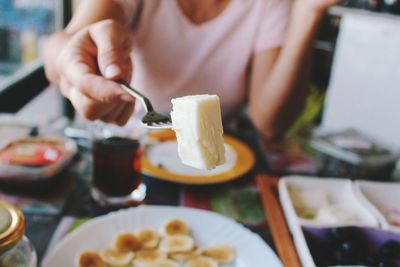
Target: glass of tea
<point x="117" y="178"/>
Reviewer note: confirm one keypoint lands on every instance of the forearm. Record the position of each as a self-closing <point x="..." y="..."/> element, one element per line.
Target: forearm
<point x="54" y="45"/>
<point x="89" y="12"/>
<point x="281" y="96"/>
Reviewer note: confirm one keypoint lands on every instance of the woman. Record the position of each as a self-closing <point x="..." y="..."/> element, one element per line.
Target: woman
<point x="241" y="50"/>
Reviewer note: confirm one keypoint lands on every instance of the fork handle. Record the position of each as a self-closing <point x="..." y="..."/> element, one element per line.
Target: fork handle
<point x="128" y="89"/>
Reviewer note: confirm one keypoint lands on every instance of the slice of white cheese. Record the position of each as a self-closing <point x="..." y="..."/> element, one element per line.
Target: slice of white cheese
<point x="198" y="125"/>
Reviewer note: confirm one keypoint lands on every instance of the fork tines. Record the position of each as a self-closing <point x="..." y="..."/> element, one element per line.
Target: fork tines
<point x="159" y="125"/>
<point x="166" y="122"/>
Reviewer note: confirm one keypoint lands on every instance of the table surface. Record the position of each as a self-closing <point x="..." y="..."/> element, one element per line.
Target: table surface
<point x="40" y="227"/>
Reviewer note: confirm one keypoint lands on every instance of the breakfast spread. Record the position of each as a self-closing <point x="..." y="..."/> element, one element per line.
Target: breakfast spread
<point x="198" y="125"/>
<point x="40" y="152"/>
<point x="173" y="246"/>
<point x="33" y="164"/>
<point x="392" y="215"/>
<point x="352" y="246"/>
<point x="315" y="205"/>
<point x="339" y="222"/>
<point x="336" y="214"/>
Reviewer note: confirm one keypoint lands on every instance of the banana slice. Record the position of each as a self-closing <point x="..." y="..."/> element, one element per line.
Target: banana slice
<point x="201" y="261"/>
<point x="176" y="227"/>
<point x="221" y="253"/>
<point x="90" y="259"/>
<point x="126" y="242"/>
<point x="177" y="244"/>
<point x="114" y="257"/>
<point x="164" y="263"/>
<point x="146" y="256"/>
<point x="182" y="257"/>
<point x="148" y="237"/>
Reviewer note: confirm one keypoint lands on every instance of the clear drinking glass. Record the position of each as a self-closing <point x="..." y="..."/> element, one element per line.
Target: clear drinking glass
<point x="116" y="174"/>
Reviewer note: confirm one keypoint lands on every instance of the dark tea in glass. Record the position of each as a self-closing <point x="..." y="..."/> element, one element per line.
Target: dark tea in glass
<point x="117" y="174"/>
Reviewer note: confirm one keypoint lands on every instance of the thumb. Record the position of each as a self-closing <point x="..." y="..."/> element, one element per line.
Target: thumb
<point x="113" y="49"/>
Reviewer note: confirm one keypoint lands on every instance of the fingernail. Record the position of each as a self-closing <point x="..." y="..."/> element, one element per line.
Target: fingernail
<point x="127" y="98"/>
<point x="112" y="71"/>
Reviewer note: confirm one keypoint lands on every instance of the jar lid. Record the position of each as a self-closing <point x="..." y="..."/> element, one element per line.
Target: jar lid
<point x="12" y="225"/>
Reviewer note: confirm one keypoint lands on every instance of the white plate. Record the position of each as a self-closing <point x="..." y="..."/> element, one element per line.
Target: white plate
<point x="208" y="228"/>
<point x="166" y="155"/>
<point x="161" y="161"/>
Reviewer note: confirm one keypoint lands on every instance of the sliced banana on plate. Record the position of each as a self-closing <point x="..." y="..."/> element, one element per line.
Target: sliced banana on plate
<point x="148" y="237"/>
<point x="177" y="244"/>
<point x="201" y="261"/>
<point x="114" y="257"/>
<point x="173" y="246"/>
<point x="221" y="253"/>
<point x="164" y="263"/>
<point x="90" y="259"/>
<point x="176" y="227"/>
<point x="127" y="242"/>
<point x="146" y="256"/>
<point x="182" y="257"/>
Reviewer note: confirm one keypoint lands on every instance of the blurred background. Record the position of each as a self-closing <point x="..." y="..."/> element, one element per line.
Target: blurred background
<point x="25" y="24"/>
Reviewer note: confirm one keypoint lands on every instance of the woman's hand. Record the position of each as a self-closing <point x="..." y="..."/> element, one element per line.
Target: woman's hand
<point x="87" y="66"/>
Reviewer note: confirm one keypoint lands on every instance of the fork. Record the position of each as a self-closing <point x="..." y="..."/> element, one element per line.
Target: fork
<point x="151" y="119"/>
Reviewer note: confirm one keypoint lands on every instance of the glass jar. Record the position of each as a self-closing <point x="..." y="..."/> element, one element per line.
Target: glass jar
<point x="15" y="249"/>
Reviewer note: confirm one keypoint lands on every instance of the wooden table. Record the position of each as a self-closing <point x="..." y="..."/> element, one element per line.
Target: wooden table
<point x="40" y="227"/>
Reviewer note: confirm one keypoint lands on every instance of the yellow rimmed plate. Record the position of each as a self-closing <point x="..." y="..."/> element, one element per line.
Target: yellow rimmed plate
<point x="160" y="160"/>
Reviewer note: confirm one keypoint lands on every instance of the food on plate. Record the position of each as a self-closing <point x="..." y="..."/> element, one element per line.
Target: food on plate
<point x="390" y="250"/>
<point x="148" y="237"/>
<point x="176" y="227"/>
<point x="147" y="256"/>
<point x="201" y="261"/>
<point x="32" y="152"/>
<point x="127" y="242"/>
<point x="220" y="253"/>
<point x="177" y="244"/>
<point x="174" y="247"/>
<point x="185" y="256"/>
<point x="392" y="215"/>
<point x="197" y="123"/>
<point x="312" y="204"/>
<point x="307" y="202"/>
<point x="163" y="263"/>
<point x="32" y="164"/>
<point x="336" y="214"/>
<point x="352" y="246"/>
<point x="114" y="257"/>
<point x="90" y="259"/>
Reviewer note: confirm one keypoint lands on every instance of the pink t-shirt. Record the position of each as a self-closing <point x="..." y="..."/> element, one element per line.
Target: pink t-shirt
<point x="174" y="57"/>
